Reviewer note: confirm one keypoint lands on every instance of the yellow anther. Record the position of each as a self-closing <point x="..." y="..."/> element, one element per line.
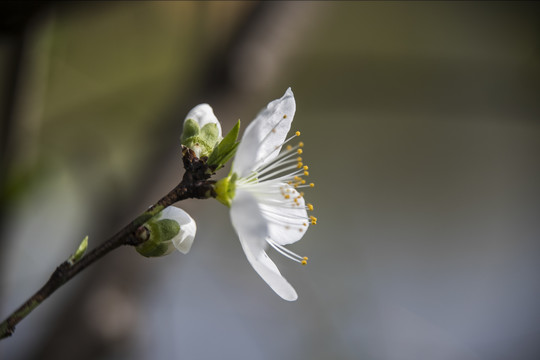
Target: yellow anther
<point x="304" y="262"/>
<point x="299" y="165"/>
<point x="306" y="167"/>
<point x="310" y="207"/>
<point x="300" y="144"/>
<point x="297" y="178"/>
<point x="284" y="116"/>
<point x="289" y="182"/>
<point x="289" y="147"/>
<point x="299" y="151"/>
<point x="305" y="258"/>
<point x="299" y="159"/>
<point x="313" y="222"/>
<point x="303" y="182"/>
<point x="301" y="193"/>
<point x="287" y="196"/>
<point x="306" y="173"/>
<point x="305" y="224"/>
<point x="297" y="133"/>
<point x="311" y="185"/>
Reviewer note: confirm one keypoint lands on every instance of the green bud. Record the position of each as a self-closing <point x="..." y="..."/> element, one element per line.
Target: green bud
<point x="170" y="229"/>
<point x="202" y="131"/>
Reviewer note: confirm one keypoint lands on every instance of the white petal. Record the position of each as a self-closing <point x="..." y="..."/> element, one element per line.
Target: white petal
<point x="263" y="138"/>
<point x="287" y="219"/>
<point x="188" y="228"/>
<point x="203" y="114"/>
<point x="252" y="230"/>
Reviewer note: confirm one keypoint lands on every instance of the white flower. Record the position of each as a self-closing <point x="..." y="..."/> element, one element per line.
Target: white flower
<point x="262" y="192"/>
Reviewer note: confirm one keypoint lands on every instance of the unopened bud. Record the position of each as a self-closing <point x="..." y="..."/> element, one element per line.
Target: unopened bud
<point x="202" y="130"/>
<point x="170" y="229"/>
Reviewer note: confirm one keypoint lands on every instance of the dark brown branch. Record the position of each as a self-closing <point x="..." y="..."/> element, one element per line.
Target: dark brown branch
<point x="194" y="184"/>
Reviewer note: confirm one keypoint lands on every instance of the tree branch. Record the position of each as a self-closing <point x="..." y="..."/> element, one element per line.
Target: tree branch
<point x="194" y="184"/>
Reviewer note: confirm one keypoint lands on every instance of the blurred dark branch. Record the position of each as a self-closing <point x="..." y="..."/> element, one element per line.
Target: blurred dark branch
<point x="15" y="17"/>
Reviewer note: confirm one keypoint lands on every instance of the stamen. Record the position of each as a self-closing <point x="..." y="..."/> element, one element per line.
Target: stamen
<point x="282" y="175"/>
<point x="287" y="253"/>
<point x="268" y="174"/>
<point x="292" y="137"/>
<point x="287" y="154"/>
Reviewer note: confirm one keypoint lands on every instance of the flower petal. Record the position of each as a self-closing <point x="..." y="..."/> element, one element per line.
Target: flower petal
<point x="264" y="136"/>
<point x="203" y="114"/>
<point x="252" y="230"/>
<point x="188" y="228"/>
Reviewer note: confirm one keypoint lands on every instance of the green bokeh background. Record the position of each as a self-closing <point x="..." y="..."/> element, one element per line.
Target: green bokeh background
<point x="422" y="133"/>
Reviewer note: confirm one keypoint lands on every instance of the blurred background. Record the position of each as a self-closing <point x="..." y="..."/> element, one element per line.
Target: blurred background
<point x="422" y="132"/>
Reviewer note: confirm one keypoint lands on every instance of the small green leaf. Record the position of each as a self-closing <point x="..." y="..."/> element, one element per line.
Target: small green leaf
<point x="230" y="139"/>
<point x="80" y="252"/>
<point x="226" y="149"/>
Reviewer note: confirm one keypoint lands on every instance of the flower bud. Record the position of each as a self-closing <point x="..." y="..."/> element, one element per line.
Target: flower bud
<point x="202" y="130"/>
<point x="170" y="229"/>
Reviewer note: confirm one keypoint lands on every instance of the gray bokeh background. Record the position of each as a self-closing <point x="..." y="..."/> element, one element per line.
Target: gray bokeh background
<point x="422" y="133"/>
